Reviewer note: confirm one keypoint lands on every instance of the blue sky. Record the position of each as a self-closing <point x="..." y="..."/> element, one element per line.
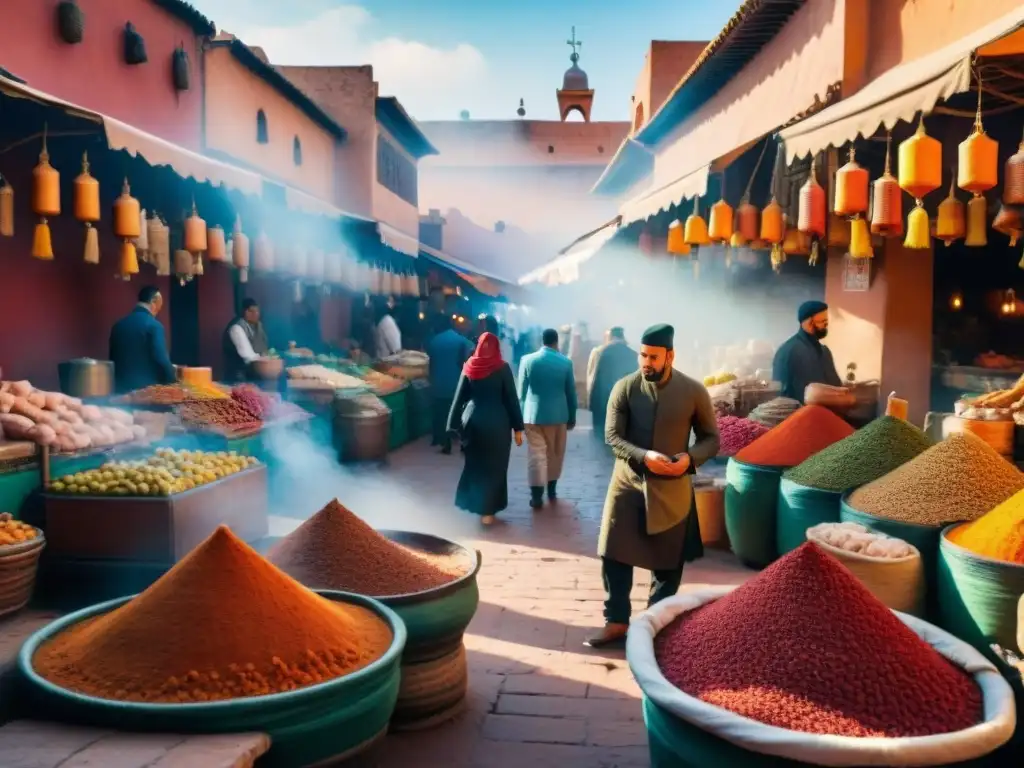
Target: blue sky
<point x="442" y="56"/>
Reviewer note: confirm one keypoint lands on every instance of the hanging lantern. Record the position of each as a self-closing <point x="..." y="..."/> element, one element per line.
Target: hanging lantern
<point x="6" y="208"/>
<point x="1008" y="222"/>
<point x="240" y="251"/>
<point x="184" y="262"/>
<point x="45" y="203"/>
<point x="180" y="74"/>
<point x="216" y="244"/>
<point x="197" y="265"/>
<point x="676" y="243"/>
<point x="860" y="239"/>
<point x="918" y="230"/>
<point x="977" y="216"/>
<point x="263" y="254"/>
<point x="695" y="232"/>
<point x="127" y="220"/>
<point x="920" y="164"/>
<point x="720" y="222"/>
<point x="812" y="211"/>
<point x="159" y="236"/>
<point x="978" y="154"/>
<point x="887" y="200"/>
<point x="1013" y="178"/>
<point x="949" y="223"/>
<point x="746" y="222"/>
<point x="87" y="210"/>
<point x="796" y="243"/>
<point x="851" y="193"/>
<point x="196" y="240"/>
<point x="773" y="228"/>
<point x="142" y="241"/>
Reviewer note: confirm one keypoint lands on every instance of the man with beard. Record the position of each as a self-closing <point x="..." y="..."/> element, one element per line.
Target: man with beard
<point x="650" y="517"/>
<point x="803" y="359"/>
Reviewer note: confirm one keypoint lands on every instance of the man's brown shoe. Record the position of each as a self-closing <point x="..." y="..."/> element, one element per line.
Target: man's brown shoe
<point x="612" y="633"/>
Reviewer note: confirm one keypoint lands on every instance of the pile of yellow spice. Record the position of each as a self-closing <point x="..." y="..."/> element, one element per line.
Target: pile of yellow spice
<point x="998" y="534"/>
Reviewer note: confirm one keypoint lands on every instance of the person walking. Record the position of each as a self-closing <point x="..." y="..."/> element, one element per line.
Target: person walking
<point x="547" y="392"/>
<point x="448" y="351"/>
<point x="650" y="519"/>
<point x="608" y="363"/>
<point x="486" y="416"/>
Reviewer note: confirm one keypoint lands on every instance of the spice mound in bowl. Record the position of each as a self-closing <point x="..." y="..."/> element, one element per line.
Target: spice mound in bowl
<point x="799" y="437"/>
<point x="998" y="534"/>
<point x="335" y="549"/>
<point x="223" y="623"/>
<point x="960" y="478"/>
<point x="804" y="646"/>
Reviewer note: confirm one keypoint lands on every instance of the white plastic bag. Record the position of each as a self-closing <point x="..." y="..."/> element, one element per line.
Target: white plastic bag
<point x="996" y="728"/>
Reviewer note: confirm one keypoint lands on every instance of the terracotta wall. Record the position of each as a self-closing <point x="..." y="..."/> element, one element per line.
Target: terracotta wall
<point x="234" y="95"/>
<point x="664" y="65"/>
<point x="389" y="207"/>
<point x="93" y="73"/>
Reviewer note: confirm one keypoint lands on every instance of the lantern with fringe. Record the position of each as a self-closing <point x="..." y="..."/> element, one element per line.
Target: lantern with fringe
<point x="695" y="232"/>
<point x="158" y="235"/>
<point x="720" y="222"/>
<point x="184" y="264"/>
<point x="1008" y="222"/>
<point x="676" y="243"/>
<point x="1013" y="177"/>
<point x="887" y="200"/>
<point x="746" y="222"/>
<point x="851" y="193"/>
<point x="216" y="244"/>
<point x="812" y="211"/>
<point x="196" y="240"/>
<point x="142" y="241"/>
<point x="127" y="227"/>
<point x="949" y="223"/>
<point x="860" y="239"/>
<point x="773" y="231"/>
<point x="977" y="172"/>
<point x="977" y="217"/>
<point x="45" y="203"/>
<point x="920" y="172"/>
<point x="240" y="251"/>
<point x="6" y="208"/>
<point x="87" y="210"/>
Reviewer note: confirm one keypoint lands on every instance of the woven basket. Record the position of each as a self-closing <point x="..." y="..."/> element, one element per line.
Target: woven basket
<point x="18" y="566"/>
<point x="404" y="372"/>
<point x="432" y="692"/>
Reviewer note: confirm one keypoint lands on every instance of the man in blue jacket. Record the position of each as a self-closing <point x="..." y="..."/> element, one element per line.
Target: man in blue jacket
<point x="547" y="392"/>
<point x="138" y="346"/>
<point x="448" y="351"/>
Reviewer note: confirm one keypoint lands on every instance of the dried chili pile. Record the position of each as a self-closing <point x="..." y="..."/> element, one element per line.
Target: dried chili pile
<point x="735" y="434"/>
<point x="799" y="437"/>
<point x="804" y="646"/>
<point x="222" y="624"/>
<point x="334" y="549"/>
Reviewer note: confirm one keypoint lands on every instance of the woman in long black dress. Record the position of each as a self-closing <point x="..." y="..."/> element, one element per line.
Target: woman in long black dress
<point x="486" y="415"/>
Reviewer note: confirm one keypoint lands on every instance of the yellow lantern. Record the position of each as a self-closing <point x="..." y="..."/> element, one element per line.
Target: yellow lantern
<point x="920" y="164"/>
<point x="195" y="232"/>
<point x="695" y="232"/>
<point x="978" y="169"/>
<point x="45" y="203"/>
<point x="949" y="224"/>
<point x="918" y="230"/>
<point x="87" y="210"/>
<point x="860" y="239"/>
<point x="720" y="222"/>
<point x="676" y="243"/>
<point x="127" y="226"/>
<point x="6" y="209"/>
<point x="977" y="215"/>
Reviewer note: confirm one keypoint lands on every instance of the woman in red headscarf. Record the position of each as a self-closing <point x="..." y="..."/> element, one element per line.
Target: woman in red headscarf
<point x="486" y="416"/>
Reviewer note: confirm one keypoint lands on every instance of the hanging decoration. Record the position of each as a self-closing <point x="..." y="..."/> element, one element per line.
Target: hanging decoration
<point x="676" y="243"/>
<point x="6" y="208"/>
<point x="134" y="46"/>
<point x="977" y="172"/>
<point x="70" y="22"/>
<point x="1013" y="177"/>
<point x="949" y="223"/>
<point x="977" y="219"/>
<point x="142" y="241"/>
<point x="1008" y="222"/>
<point x="195" y="232"/>
<point x="184" y="265"/>
<point x="158" y="235"/>
<point x="240" y="251"/>
<point x="746" y="219"/>
<point x="920" y="172"/>
<point x="851" y="188"/>
<point x="45" y="203"/>
<point x="773" y="232"/>
<point x="197" y="265"/>
<point x="887" y="199"/>
<point x="812" y="212"/>
<point x="216" y="244"/>
<point x="127" y="216"/>
<point x="180" y="73"/>
<point x="695" y="231"/>
<point x="720" y="219"/>
<point x="87" y="210"/>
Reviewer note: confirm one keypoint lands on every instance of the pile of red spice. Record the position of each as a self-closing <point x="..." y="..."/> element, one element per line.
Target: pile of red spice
<point x="334" y="549"/>
<point x="735" y="434"/>
<point x="809" y="430"/>
<point x="804" y="646"/>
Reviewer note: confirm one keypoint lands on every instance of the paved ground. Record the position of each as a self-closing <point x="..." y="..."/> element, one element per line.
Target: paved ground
<point x="538" y="698"/>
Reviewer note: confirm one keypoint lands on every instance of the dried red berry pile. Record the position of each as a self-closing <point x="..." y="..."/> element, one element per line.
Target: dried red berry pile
<point x="257" y="402"/>
<point x="804" y="646"/>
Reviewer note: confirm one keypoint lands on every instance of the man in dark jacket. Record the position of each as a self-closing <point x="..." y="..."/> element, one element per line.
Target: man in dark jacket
<point x="138" y="347"/>
<point x="803" y="359"/>
<point x="244" y="342"/>
<point x="448" y="351"/>
<point x="608" y="363"/>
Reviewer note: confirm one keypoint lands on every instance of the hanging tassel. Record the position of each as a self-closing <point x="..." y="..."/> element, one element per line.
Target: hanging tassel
<point x="129" y="260"/>
<point x="812" y="260"/>
<point x="6" y="210"/>
<point x="197" y="268"/>
<point x="92" y="245"/>
<point x="778" y="257"/>
<point x="42" y="244"/>
<point x="860" y="239"/>
<point x="918" y="233"/>
<point x="977" y="213"/>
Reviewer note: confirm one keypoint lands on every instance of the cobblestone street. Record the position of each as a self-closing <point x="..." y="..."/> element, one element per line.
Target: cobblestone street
<point x="538" y="697"/>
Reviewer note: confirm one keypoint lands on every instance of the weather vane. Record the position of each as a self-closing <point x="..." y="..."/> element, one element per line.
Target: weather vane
<point x="574" y="44"/>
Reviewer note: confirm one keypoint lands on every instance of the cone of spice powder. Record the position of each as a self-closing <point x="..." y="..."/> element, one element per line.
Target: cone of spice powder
<point x="806" y="647"/>
<point x="807" y="431"/>
<point x="223" y="623"/>
<point x="998" y="534"/>
<point x="334" y="549"/>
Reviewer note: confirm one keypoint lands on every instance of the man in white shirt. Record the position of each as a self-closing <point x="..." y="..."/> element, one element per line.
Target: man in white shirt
<point x="387" y="334"/>
<point x="244" y="342"/>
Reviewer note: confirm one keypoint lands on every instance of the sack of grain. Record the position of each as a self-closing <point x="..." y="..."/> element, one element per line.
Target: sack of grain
<point x="896" y="581"/>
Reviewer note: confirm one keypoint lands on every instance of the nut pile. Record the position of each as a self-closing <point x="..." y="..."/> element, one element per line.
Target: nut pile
<point x="806" y="647"/>
<point x="866" y="455"/>
<point x="852" y="537"/>
<point x="171" y="394"/>
<point x="228" y="415"/>
<point x="960" y="478"/>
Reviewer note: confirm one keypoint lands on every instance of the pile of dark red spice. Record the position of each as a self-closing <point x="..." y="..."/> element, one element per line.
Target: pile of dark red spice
<point x="804" y="646"/>
<point x="334" y="549"/>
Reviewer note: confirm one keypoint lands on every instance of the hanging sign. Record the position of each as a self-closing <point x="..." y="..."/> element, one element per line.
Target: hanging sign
<point x="856" y="274"/>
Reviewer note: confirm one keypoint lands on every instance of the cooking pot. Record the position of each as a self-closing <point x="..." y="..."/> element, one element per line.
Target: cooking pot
<point x="86" y="377"/>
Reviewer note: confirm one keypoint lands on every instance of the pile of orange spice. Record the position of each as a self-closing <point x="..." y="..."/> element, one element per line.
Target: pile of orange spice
<point x="221" y="624"/>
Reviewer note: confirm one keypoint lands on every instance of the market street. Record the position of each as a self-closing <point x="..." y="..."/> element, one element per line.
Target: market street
<point x="538" y="697"/>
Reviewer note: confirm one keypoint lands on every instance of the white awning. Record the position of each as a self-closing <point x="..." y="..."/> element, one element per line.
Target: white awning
<point x="652" y="203"/>
<point x="398" y="240"/>
<point x="297" y="200"/>
<point x="465" y="269"/>
<point x="899" y="94"/>
<point x="565" y="268"/>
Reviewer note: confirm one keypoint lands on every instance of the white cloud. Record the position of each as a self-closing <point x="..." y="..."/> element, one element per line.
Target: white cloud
<point x="432" y="83"/>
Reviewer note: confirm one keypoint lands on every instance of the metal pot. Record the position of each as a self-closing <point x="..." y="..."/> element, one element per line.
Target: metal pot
<point x="86" y="377"/>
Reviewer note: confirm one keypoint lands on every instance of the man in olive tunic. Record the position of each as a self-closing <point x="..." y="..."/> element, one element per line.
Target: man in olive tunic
<point x="650" y="518"/>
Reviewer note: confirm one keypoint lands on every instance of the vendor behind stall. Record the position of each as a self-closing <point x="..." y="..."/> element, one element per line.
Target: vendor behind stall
<point x="803" y="359"/>
<point x="387" y="336"/>
<point x="138" y="346"/>
<point x="245" y="341"/>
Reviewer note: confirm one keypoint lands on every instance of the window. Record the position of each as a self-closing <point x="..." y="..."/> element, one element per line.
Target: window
<point x="262" y="136"/>
<point x="396" y="172"/>
<point x="297" y="151"/>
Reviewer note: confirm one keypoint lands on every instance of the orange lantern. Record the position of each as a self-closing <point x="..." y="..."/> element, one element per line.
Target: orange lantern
<point x="1013" y="178"/>
<point x="127" y="226"/>
<point x="45" y="203"/>
<point x="746" y="222"/>
<point x="87" y="210"/>
<point x="216" y="244"/>
<point x="195" y="232"/>
<point x="1008" y="222"/>
<point x="695" y="232"/>
<point x="812" y="211"/>
<point x="6" y="208"/>
<point x="978" y="154"/>
<point x="887" y="201"/>
<point x="851" y="193"/>
<point x="977" y="215"/>
<point x="720" y="222"/>
<point x="676" y="244"/>
<point x="773" y="231"/>
<point x="949" y="223"/>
